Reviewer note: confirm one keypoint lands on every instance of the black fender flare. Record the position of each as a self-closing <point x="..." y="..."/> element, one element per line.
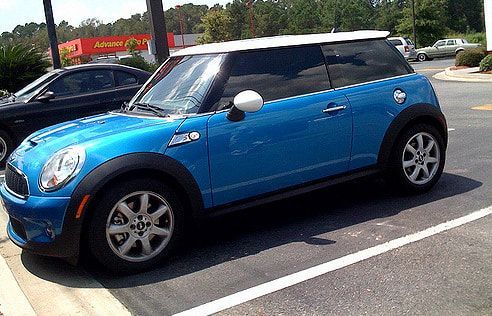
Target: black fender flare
<point x="158" y="164"/>
<point x="417" y="113"/>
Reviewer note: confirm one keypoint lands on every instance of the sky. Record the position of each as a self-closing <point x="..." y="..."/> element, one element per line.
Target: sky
<point x="14" y="12"/>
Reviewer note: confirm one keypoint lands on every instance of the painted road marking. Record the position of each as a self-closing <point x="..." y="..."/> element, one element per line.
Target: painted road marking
<point x="485" y="107"/>
<point x="451" y="129"/>
<point x="316" y="271"/>
<point x="430" y="69"/>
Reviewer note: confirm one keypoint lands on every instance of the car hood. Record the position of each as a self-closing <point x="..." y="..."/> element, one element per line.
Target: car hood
<point x="425" y="48"/>
<point x="103" y="137"/>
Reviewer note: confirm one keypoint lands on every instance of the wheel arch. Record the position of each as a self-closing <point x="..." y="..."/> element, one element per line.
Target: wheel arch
<point x="415" y="114"/>
<point x="140" y="165"/>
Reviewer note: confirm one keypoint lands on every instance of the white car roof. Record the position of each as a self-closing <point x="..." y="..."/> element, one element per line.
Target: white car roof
<point x="279" y="41"/>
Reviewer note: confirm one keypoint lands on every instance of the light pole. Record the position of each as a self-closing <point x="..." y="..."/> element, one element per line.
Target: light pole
<point x="50" y="25"/>
<point x="180" y="18"/>
<point x="413" y="23"/>
<point x="158" y="29"/>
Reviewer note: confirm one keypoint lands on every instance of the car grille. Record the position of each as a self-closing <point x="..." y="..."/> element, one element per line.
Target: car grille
<point x="16" y="181"/>
<point x="18" y="228"/>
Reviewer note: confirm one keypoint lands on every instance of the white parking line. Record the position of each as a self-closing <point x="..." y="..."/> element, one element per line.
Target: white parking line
<point x="301" y="276"/>
<point x="451" y="129"/>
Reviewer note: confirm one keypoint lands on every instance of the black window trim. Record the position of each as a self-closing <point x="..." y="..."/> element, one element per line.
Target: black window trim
<point x="212" y="108"/>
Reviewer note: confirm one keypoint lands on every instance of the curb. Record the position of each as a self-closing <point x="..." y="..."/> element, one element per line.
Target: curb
<point x="463" y="75"/>
<point x="55" y="288"/>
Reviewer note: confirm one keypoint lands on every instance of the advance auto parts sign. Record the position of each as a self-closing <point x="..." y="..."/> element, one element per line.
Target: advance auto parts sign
<point x="112" y="44"/>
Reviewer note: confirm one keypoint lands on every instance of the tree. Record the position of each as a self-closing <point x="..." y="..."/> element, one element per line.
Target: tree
<point x="19" y="65"/>
<point x="217" y="24"/>
<point x="270" y="17"/>
<point x="303" y="17"/>
<point x="465" y="16"/>
<point x="430" y="21"/>
<point x="348" y="15"/>
<point x="388" y="12"/>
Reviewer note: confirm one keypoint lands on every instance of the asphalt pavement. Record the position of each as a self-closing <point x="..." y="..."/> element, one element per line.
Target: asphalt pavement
<point x="448" y="272"/>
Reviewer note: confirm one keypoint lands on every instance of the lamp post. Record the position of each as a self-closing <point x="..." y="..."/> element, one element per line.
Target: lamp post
<point x="50" y="25"/>
<point x="181" y="22"/>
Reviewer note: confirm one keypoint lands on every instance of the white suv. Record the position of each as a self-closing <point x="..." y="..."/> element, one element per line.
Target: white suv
<point x="405" y="46"/>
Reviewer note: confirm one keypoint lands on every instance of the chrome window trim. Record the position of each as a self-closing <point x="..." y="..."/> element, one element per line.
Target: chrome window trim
<point x="19" y="172"/>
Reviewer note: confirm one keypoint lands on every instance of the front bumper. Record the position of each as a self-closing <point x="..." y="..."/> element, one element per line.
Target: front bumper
<point x="37" y="224"/>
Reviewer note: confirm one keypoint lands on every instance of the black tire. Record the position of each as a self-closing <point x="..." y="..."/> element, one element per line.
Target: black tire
<point x="97" y="240"/>
<point x="399" y="177"/>
<point x="6" y="147"/>
<point x="422" y="57"/>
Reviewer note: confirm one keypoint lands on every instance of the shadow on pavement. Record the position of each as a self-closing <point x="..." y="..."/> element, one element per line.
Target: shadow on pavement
<point x="249" y="232"/>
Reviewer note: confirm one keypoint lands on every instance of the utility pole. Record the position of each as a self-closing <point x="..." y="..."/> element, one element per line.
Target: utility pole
<point x="50" y="25"/>
<point x="181" y="22"/>
<point x="249" y="5"/>
<point x="413" y="20"/>
<point x="158" y="29"/>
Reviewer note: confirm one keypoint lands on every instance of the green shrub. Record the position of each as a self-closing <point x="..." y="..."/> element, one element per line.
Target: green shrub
<point x="486" y="63"/>
<point x="470" y="57"/>
<point x="475" y="38"/>
<point x="139" y="62"/>
<point x="20" y="65"/>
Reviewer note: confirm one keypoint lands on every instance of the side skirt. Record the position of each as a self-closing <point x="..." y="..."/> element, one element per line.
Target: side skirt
<point x="289" y="192"/>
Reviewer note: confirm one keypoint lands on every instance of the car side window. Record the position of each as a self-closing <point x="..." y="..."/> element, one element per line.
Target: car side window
<point x="363" y="61"/>
<point x="277" y="73"/>
<point x="450" y="43"/>
<point x="82" y="82"/>
<point x="440" y="43"/>
<point x="124" y="78"/>
<point x="396" y="42"/>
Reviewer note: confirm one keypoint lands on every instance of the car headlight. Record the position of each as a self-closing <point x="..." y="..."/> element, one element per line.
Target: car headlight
<point x="61" y="168"/>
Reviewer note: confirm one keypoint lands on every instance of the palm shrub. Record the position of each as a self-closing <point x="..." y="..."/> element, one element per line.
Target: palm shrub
<point x="19" y="65"/>
<point x="470" y="57"/>
<point x="486" y="63"/>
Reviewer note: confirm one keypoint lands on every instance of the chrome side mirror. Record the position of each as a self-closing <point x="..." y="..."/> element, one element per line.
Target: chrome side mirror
<point x="245" y="101"/>
<point x="45" y="97"/>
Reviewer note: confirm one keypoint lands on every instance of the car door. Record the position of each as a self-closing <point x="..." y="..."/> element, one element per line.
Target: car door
<point x="303" y="132"/>
<point x="82" y="93"/>
<point x="438" y="50"/>
<point x="368" y="73"/>
<point x="450" y="47"/>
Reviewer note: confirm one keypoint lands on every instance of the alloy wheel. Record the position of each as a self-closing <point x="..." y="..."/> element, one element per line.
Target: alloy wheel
<point x="3" y="149"/>
<point x="421" y="158"/>
<point x="140" y="226"/>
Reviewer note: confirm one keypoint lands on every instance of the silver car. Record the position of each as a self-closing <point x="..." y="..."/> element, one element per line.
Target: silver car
<point x="444" y="48"/>
<point x="405" y="46"/>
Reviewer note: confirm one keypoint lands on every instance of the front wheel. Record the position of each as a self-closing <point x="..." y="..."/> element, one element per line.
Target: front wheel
<point x="5" y="147"/>
<point x="421" y="57"/>
<point x="135" y="225"/>
<point x="417" y="160"/>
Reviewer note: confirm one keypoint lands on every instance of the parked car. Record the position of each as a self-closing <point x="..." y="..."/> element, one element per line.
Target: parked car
<point x="444" y="48"/>
<point x="63" y="95"/>
<point x="405" y="46"/>
<point x="222" y="127"/>
<point x="109" y="59"/>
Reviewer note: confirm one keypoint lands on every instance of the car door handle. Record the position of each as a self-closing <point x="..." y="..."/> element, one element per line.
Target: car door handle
<point x="335" y="108"/>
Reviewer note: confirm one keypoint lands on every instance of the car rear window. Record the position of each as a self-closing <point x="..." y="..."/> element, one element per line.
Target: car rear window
<point x="363" y="61"/>
<point x="277" y="73"/>
<point x="124" y="78"/>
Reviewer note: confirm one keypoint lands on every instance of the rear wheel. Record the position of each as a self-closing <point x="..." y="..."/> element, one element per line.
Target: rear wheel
<point x="417" y="160"/>
<point x="5" y="147"/>
<point x="135" y="225"/>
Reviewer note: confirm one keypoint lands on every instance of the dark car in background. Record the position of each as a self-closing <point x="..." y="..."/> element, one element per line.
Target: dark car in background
<point x="63" y="95"/>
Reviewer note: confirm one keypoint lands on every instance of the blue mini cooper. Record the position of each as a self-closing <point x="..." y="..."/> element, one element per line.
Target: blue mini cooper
<point x="223" y="127"/>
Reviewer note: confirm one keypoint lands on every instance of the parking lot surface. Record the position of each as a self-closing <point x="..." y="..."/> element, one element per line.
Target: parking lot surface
<point x="446" y="273"/>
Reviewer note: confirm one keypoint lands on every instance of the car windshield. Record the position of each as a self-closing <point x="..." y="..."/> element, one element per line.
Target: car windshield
<point x="31" y="89"/>
<point x="179" y="86"/>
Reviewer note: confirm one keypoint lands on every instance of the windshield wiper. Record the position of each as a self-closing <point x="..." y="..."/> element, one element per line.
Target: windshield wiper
<point x="152" y="108"/>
